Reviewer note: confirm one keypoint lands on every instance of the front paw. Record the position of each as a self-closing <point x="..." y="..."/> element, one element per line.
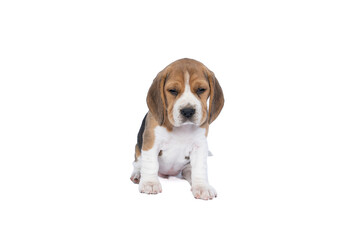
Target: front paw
<point x="204" y="191"/>
<point x="150" y="187"/>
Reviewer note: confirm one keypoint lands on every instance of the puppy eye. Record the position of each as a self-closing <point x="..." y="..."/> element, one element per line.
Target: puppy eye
<point x="173" y="92"/>
<point x="200" y="90"/>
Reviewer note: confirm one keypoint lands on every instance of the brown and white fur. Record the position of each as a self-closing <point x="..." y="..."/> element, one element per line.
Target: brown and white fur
<point x="183" y="100"/>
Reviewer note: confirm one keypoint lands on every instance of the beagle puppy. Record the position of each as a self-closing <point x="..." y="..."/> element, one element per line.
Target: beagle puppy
<point x="183" y="100"/>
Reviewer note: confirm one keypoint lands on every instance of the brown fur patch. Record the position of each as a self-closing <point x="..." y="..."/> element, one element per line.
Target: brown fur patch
<point x="149" y="133"/>
<point x="155" y="98"/>
<point x="167" y="124"/>
<point x="137" y="153"/>
<point x="174" y="81"/>
<point x="216" y="102"/>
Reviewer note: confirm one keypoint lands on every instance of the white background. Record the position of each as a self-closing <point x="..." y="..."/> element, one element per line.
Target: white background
<point x="74" y="78"/>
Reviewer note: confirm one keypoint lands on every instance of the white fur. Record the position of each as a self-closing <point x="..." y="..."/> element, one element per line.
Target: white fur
<point x="187" y="99"/>
<point x="176" y="146"/>
<point x="149" y="182"/>
<point x="184" y="141"/>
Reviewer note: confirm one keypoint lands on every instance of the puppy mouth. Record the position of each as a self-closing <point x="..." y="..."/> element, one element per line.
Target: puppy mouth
<point x="187" y="122"/>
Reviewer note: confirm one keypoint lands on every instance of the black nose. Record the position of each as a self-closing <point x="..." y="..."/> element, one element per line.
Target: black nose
<point x="187" y="112"/>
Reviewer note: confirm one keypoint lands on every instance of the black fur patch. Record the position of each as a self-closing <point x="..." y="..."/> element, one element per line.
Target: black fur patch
<point x="141" y="132"/>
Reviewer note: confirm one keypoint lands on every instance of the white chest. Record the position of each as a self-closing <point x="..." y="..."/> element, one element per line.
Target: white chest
<point x="176" y="147"/>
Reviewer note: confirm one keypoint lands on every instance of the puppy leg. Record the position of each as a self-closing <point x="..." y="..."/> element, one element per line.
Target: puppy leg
<point x="149" y="182"/>
<point x="135" y="176"/>
<point x="201" y="188"/>
<point x="186" y="173"/>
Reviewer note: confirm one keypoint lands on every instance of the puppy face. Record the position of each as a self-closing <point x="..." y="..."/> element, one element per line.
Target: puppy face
<point x="180" y="94"/>
<point x="186" y="97"/>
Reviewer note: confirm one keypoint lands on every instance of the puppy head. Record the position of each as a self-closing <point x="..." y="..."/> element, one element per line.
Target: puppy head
<point x="180" y="94"/>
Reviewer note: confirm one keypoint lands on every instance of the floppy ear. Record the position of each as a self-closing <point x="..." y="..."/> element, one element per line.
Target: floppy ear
<point x="216" y="102"/>
<point x="156" y="99"/>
